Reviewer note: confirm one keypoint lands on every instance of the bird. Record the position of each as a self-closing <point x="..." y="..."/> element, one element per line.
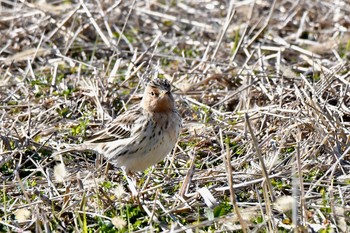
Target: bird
<point x="141" y="136"/>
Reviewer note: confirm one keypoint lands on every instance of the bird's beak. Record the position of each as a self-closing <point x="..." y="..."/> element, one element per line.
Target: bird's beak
<point x="163" y="93"/>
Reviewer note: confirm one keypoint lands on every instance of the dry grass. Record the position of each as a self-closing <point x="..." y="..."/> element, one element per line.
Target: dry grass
<point x="263" y="88"/>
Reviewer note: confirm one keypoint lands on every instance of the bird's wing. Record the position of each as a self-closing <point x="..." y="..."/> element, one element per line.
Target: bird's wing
<point x="119" y="128"/>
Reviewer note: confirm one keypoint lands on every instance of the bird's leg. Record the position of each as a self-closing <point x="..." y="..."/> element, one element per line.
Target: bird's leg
<point x="98" y="162"/>
<point x="107" y="168"/>
<point x="131" y="184"/>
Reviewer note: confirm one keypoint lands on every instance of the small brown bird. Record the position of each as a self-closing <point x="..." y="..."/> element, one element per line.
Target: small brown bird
<point x="141" y="136"/>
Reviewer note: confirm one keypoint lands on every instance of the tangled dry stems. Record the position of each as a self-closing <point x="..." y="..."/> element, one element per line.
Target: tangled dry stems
<point x="261" y="86"/>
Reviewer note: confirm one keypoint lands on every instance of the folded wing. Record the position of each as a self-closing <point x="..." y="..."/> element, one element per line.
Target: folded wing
<point x="119" y="128"/>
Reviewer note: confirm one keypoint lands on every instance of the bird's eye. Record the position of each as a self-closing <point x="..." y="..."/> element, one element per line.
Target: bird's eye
<point x="154" y="94"/>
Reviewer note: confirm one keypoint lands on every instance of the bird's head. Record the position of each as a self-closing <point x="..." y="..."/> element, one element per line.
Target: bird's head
<point x="157" y="96"/>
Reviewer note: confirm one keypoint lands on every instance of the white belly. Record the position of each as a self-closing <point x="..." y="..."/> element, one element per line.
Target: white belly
<point x="149" y="156"/>
<point x="150" y="151"/>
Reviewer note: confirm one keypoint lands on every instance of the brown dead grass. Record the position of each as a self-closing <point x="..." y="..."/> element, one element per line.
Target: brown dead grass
<point x="263" y="89"/>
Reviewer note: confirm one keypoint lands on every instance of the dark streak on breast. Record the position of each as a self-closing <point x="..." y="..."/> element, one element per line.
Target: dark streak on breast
<point x="124" y="152"/>
<point x="115" y="149"/>
<point x="134" y="151"/>
<point x="144" y="137"/>
<point x="138" y="130"/>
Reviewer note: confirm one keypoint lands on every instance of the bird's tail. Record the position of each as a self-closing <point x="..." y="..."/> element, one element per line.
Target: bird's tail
<point x="74" y="148"/>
